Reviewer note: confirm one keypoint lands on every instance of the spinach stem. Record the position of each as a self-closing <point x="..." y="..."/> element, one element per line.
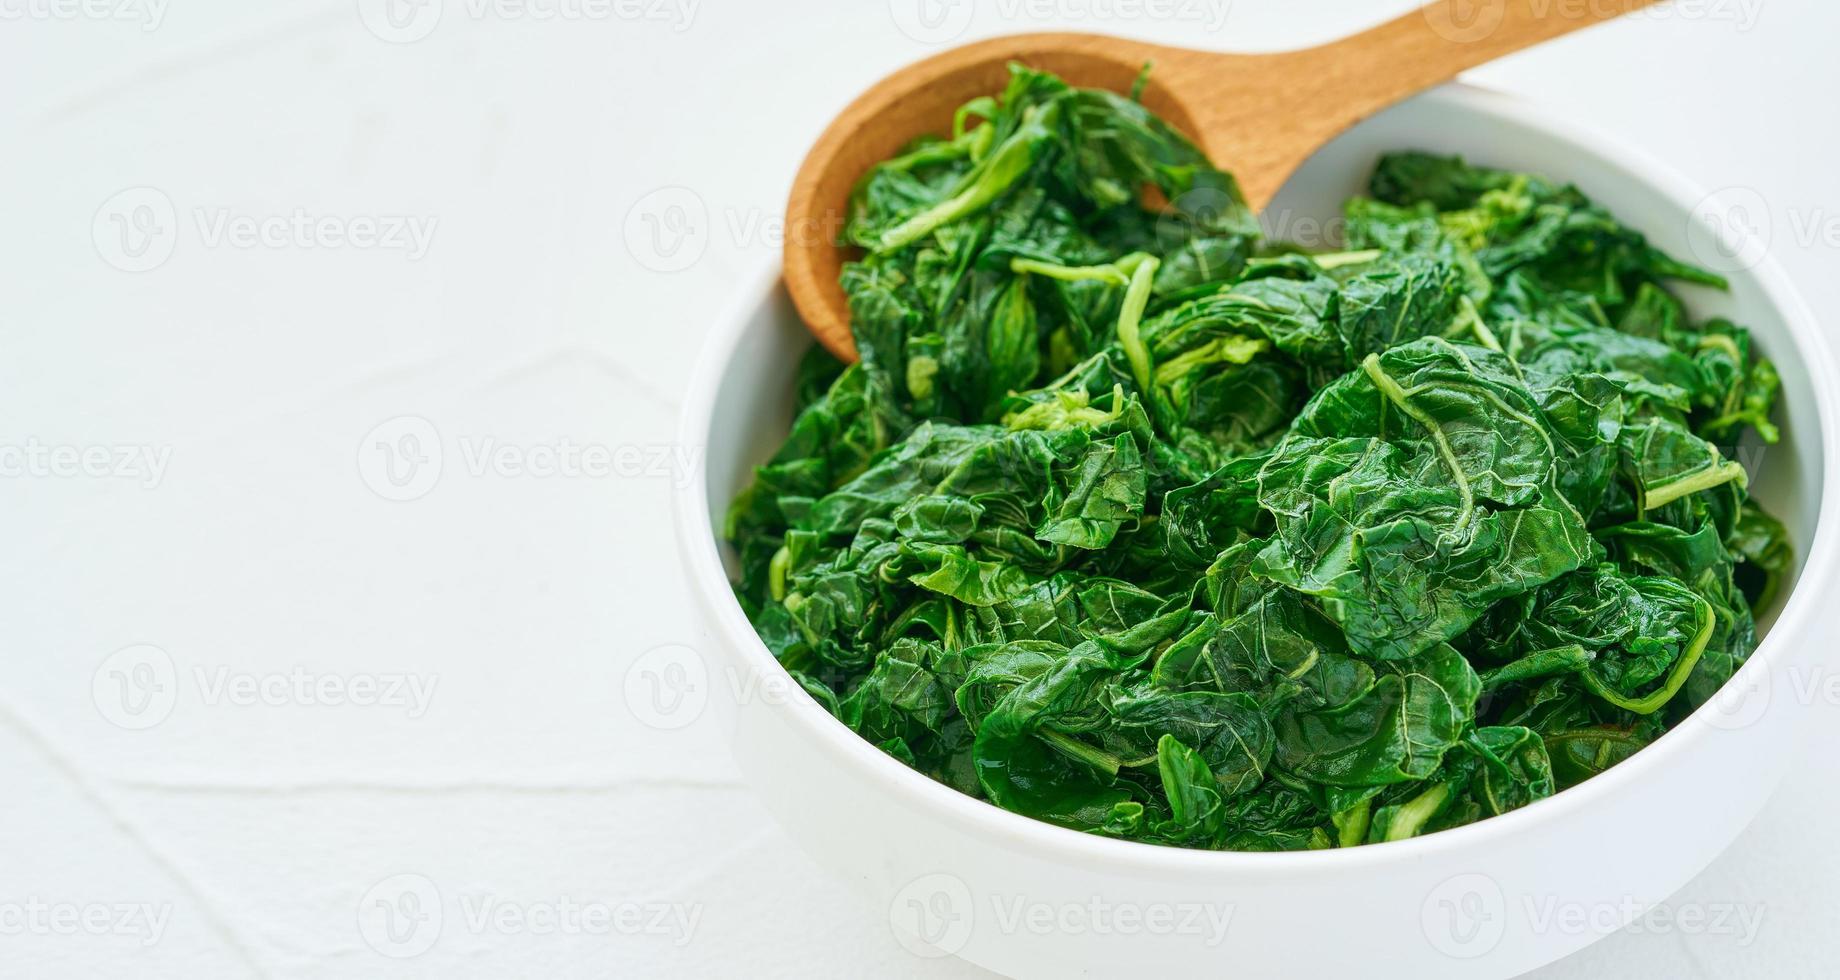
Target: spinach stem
<point x="1397" y="395"/>
<point x="1351" y="824"/>
<point x="1335" y="260"/>
<point x="1676" y="678"/>
<point x="1411" y="817"/>
<point x="1070" y="273"/>
<point x="983" y="184"/>
<point x="1074" y="748"/>
<point x="1136" y="297"/>
<point x="1705" y="479"/>
<point x="1472" y="319"/>
<point x="776" y="573"/>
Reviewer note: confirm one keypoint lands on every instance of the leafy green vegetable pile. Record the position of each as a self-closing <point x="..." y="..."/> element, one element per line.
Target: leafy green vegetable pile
<point x="1133" y="522"/>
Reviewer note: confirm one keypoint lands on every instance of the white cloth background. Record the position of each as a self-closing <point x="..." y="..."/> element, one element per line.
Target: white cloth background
<point x="210" y="272"/>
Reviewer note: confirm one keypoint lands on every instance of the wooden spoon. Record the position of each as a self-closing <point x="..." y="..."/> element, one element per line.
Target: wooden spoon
<point x="1259" y="116"/>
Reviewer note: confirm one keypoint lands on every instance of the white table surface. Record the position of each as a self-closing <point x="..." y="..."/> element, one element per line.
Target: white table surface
<point x="287" y="771"/>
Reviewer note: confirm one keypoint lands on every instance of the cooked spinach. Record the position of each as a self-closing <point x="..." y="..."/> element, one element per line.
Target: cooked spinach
<point x="1135" y="522"/>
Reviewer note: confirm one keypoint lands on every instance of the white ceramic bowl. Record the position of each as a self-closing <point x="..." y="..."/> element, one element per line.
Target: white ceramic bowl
<point x="954" y="875"/>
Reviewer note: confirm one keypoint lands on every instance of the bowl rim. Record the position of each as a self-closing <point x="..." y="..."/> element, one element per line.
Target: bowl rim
<point x="699" y="538"/>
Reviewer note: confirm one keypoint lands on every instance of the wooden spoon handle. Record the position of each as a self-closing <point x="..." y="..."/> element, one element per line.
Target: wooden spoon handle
<point x="1440" y="39"/>
<point x="1265" y="134"/>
